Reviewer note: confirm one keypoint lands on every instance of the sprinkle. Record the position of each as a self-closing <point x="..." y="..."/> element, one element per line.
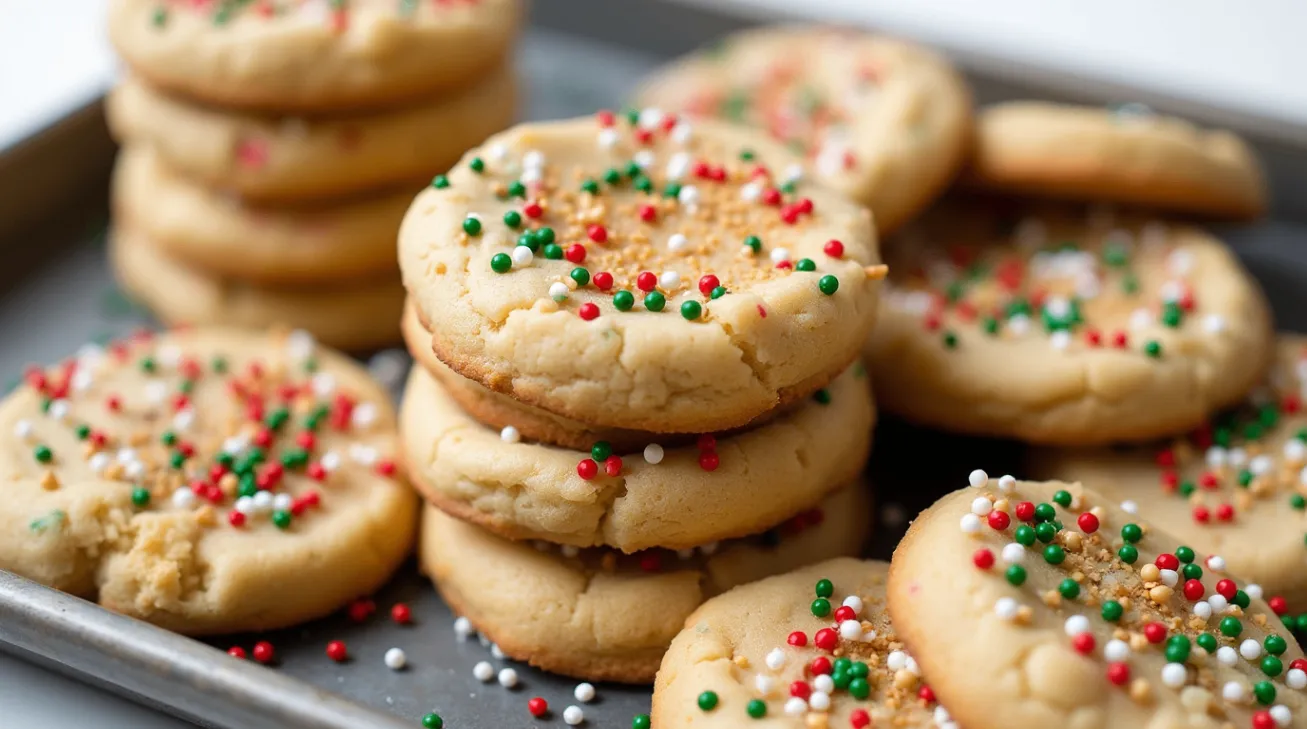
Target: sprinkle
<point x="1076" y="624"/>
<point x="775" y="659"/>
<point x="508" y="678"/>
<point x="653" y="454"/>
<point x="1005" y="608"/>
<point x="970" y="524"/>
<point x="584" y="692"/>
<point x="509" y="434"/>
<point x="573" y="715"/>
<point x="395" y="659"/>
<point x="463" y="629"/>
<point x="1174" y="675"/>
<point x="1006" y="484"/>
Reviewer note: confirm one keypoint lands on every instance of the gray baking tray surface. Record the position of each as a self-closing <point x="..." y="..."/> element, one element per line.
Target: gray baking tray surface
<point x="52" y="309"/>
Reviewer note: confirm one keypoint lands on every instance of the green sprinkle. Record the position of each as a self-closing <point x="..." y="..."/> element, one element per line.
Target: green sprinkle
<point x="828" y="284"/>
<point x="859" y="688"/>
<point x="1046" y="532"/>
<point x="1265" y="693"/>
<point x="1207" y="642"/>
<point x="553" y="251"/>
<point x="754" y="243"/>
<point x="512" y="218"/>
<point x="148" y="365"/>
<point x="433" y="721"/>
<point x="1128" y="553"/>
<point x="612" y="176"/>
<point x="824" y="588"/>
<point x="281" y="519"/>
<point x="472" y="225"/>
<point x="590" y="186"/>
<point x="643" y="184"/>
<point x="501" y="262"/>
<point x="1112" y="611"/>
<point x="757" y="708"/>
<point x="690" y="310"/>
<point x="601" y="450"/>
<point x="545" y="235"/>
<point x="640" y="721"/>
<point x="1153" y="348"/>
<point x="822" y="397"/>
<point x="1069" y="589"/>
<point x="708" y="700"/>
<point x="440" y="182"/>
<point x="746" y="155"/>
<point x="1172" y="316"/>
<point x="528" y="240"/>
<point x="1045" y="512"/>
<point x="177" y="459"/>
<point x="717" y="292"/>
<point x="477" y="164"/>
<point x="1177" y="649"/>
<point x="672" y="190"/>
<point x="277" y="418"/>
<point x="1132" y="533"/>
<point x="247" y="486"/>
<point x="84" y="431"/>
<point x="580" y="275"/>
<point x="1275" y="645"/>
<point x="517" y="189"/>
<point x="805" y="264"/>
<point x="623" y="300"/>
<point x="1192" y="572"/>
<point x="42" y="454"/>
<point x="950" y="340"/>
<point x="1241" y="599"/>
<point x="1184" y="554"/>
<point x="159" y="17"/>
<point x="140" y="497"/>
<point x="633" y="169"/>
<point x="1025" y="535"/>
<point x="1016" y="575"/>
<point x="1230" y="627"/>
<point x="820" y="607"/>
<point x="1053" y="554"/>
<point x="654" y="301"/>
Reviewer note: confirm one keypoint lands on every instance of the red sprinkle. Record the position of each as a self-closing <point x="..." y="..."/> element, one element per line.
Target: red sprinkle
<point x="401" y="613"/>
<point x="613" y="466"/>
<point x="264" y="652"/>
<point x="533" y="210"/>
<point x="998" y="520"/>
<point x="646" y="281"/>
<point x="1201" y="514"/>
<point x="709" y="461"/>
<point x="1087" y="522"/>
<point x="236" y="652"/>
<point x="1224" y="512"/>
<point x="587" y="469"/>
<point x="1299" y="663"/>
<point x="820" y="666"/>
<point x="337" y="651"/>
<point x="386" y="468"/>
<point x="983" y="558"/>
<point x="537" y="706"/>
<point x="1094" y="338"/>
<point x="844" y="612"/>
<point x="1167" y="562"/>
<point x="1227" y="589"/>
<point x="1262" y="719"/>
<point x="926" y="694"/>
<point x="236" y="518"/>
<point x="575" y="253"/>
<point x="605" y="118"/>
<point x="1278" y="604"/>
<point x="306" y="440"/>
<point x="707" y="283"/>
<point x="317" y="472"/>
<point x="1118" y="673"/>
<point x="1155" y="632"/>
<point x="859" y="719"/>
<point x="707" y="442"/>
<point x="588" y="311"/>
<point x="603" y="280"/>
<point x="801" y="689"/>
<point x="597" y="233"/>
<point x="648" y="213"/>
<point x="360" y="610"/>
<point x="1025" y="511"/>
<point x="826" y="639"/>
<point x="651" y="562"/>
<point x="1119" y="340"/>
<point x="771" y="196"/>
<point x="1083" y="643"/>
<point x="1193" y="590"/>
<point x="799" y="639"/>
<point x="833" y="248"/>
<point x="1165" y="459"/>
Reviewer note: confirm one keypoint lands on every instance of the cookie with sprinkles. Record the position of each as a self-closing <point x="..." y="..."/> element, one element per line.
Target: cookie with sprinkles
<point x="714" y="488"/>
<point x="641" y="271"/>
<point x="613" y="615"/>
<point x="312" y="55"/>
<point x="883" y="120"/>
<point x="359" y="316"/>
<point x="289" y="159"/>
<point x="1044" y="604"/>
<point x="811" y="648"/>
<point x="207" y="480"/>
<point x="1127" y="154"/>
<point x="224" y="236"/>
<point x="1235" y="487"/>
<point x="1050" y="325"/>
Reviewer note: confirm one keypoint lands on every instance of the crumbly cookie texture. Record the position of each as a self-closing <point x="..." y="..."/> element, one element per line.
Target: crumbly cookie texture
<point x="1047" y="325"/>
<point x="359" y="317"/>
<point x="886" y="122"/>
<point x="1233" y="487"/>
<point x="1126" y="155"/>
<point x="1077" y="613"/>
<point x="811" y="648"/>
<point x="290" y="159"/>
<point x="716" y="488"/>
<point x="612" y="615"/>
<point x="208" y="480"/>
<point x="312" y="55"/>
<point x="641" y="271"/>
<point x="220" y="234"/>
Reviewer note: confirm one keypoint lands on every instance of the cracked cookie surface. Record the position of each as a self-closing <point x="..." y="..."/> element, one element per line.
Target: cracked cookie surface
<point x="641" y="271"/>
<point x="715" y="488"/>
<point x="208" y="480"/>
<point x="1079" y="614"/>
<point x="598" y="614"/>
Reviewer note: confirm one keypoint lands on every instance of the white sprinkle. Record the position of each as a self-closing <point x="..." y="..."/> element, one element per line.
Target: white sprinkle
<point x="1174" y="675"/>
<point x="776" y="659"/>
<point x="685" y="553"/>
<point x="262" y="501"/>
<point x="533" y="159"/>
<point x="653" y="454"/>
<point x="1005" y="608"/>
<point x="1203" y="609"/>
<point x="135" y="469"/>
<point x="1116" y="650"/>
<point x="1006" y="484"/>
<point x="1060" y="340"/>
<point x="126" y="455"/>
<point x="1254" y="590"/>
<point x="607" y="138"/>
<point x="651" y="117"/>
<point x="1295" y="450"/>
<point x="795" y="706"/>
<point x="1013" y="553"/>
<point x="1019" y="325"/>
<point x="677" y="243"/>
<point x="1218" y="602"/>
<point x="330" y="460"/>
<point x="1214" y="323"/>
<point x="823" y="683"/>
<point x="496" y="652"/>
<point x="59" y="409"/>
<point x="22" y="429"/>
<point x="912" y="667"/>
<point x="1281" y="714"/>
<point x="299" y="345"/>
<point x="793" y="173"/>
<point x="1140" y="319"/>
<point x="509" y="434"/>
<point x="819" y="701"/>
<point x="669" y="280"/>
<point x="941" y="715"/>
<point x="522" y="256"/>
<point x="898" y="660"/>
<point x="363" y="415"/>
<point x="764" y="684"/>
<point x="1216" y="563"/>
<point x="688" y="196"/>
<point x="1180" y="262"/>
<point x="183" y="419"/>
<point x="1227" y="655"/>
<point x="1296" y="678"/>
<point x="1129" y="507"/>
<point x="1250" y="649"/>
<point x="851" y="630"/>
<point x="508" y="678"/>
<point x="81" y="380"/>
<point x="1260" y="465"/>
<point x="395" y="659"/>
<point x="678" y="165"/>
<point x="363" y="455"/>
<point x="584" y="692"/>
<point x="682" y="132"/>
<point x="483" y="671"/>
<point x="981" y="506"/>
<point x="970" y="524"/>
<point x="1234" y="692"/>
<point x="643" y="159"/>
<point x="854" y="602"/>
<point x="780" y="254"/>
<point x="1170" y="577"/>
<point x="282" y="501"/>
<point x="1238" y="457"/>
<point x="1076" y="624"/>
<point x="497" y="151"/>
<point x="978" y="478"/>
<point x="531" y="175"/>
<point x="573" y="715"/>
<point x="750" y="192"/>
<point x="98" y="462"/>
<point x="245" y="505"/>
<point x="324" y="383"/>
<point x="463" y="629"/>
<point x="183" y="498"/>
<point x="559" y="291"/>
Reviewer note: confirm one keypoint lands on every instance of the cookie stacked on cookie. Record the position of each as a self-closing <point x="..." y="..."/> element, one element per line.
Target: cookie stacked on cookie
<point x="270" y="150"/>
<point x="637" y="383"/>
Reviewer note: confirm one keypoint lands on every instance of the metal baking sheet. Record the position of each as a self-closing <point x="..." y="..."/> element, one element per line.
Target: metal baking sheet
<point x="71" y="299"/>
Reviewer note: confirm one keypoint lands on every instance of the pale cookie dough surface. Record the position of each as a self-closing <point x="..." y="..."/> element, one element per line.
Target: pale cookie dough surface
<point x="885" y="121"/>
<point x="578" y="335"/>
<point x="222" y="235"/>
<point x="600" y="615"/>
<point x="1092" y="625"/>
<point x="364" y="315"/>
<point x="311" y="55"/>
<point x="1233" y="487"/>
<point x="1130" y="155"/>
<point x="101" y="499"/>
<point x="737" y="649"/>
<point x="289" y="159"/>
<point x="716" y="488"/>
<point x="1050" y="326"/>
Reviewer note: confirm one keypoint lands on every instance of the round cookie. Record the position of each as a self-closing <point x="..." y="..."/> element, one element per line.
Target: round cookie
<point x="717" y="488"/>
<point x="1038" y="324"/>
<point x="612" y="616"/>
<point x="271" y="246"/>
<point x="636" y="223"/>
<point x="761" y="656"/>
<point x="287" y="159"/>
<point x="1031" y="605"/>
<point x="1233" y="487"/>
<point x="312" y="55"/>
<point x="207" y="481"/>
<point x="359" y="317"/>
<point x="1127" y="155"/>
<point x="885" y="121"/>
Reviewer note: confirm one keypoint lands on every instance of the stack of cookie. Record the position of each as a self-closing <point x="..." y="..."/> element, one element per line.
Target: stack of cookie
<point x="271" y="148"/>
<point x="636" y="383"/>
